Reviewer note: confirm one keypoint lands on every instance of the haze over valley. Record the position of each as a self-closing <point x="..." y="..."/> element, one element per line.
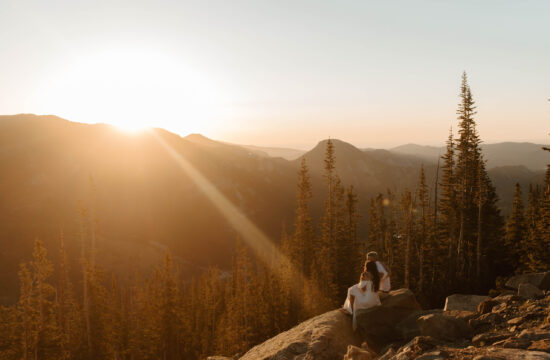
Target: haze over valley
<point x="144" y="203"/>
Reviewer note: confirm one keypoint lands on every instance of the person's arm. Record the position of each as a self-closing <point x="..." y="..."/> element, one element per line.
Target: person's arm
<point x="351" y="301"/>
<point x="381" y="270"/>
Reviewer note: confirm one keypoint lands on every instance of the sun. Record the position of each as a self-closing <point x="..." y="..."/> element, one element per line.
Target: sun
<point x="132" y="90"/>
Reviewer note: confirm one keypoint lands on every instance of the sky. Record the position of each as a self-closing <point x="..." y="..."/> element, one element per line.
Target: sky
<point x="282" y="73"/>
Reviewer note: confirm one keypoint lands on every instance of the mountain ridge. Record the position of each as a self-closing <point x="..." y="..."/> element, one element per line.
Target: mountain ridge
<point x="142" y="196"/>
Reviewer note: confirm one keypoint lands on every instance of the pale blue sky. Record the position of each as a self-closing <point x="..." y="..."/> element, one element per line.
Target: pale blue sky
<point x="282" y="73"/>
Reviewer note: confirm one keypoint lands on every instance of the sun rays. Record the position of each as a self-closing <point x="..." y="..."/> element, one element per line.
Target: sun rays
<point x="245" y="228"/>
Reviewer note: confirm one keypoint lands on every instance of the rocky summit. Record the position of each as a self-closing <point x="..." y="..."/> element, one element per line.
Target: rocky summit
<point x="512" y="325"/>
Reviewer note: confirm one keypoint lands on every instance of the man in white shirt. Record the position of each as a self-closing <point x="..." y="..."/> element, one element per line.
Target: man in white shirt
<point x="385" y="285"/>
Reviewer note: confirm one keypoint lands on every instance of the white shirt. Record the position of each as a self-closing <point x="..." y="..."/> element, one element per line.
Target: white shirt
<point x="384" y="277"/>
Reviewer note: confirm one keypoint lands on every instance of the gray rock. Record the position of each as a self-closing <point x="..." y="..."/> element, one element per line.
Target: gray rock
<point x="323" y="337"/>
<point x="514" y="354"/>
<point x="515" y="343"/>
<point x="464" y="302"/>
<point x="540" y="345"/>
<point x="485" y="320"/>
<point x="434" y="355"/>
<point x="444" y="327"/>
<point x="378" y="324"/>
<point x="486" y="306"/>
<point x="540" y="280"/>
<point x="529" y="291"/>
<point x="508" y="298"/>
<point x="357" y="353"/>
<point x="408" y="327"/>
<point x="489" y="338"/>
<point x="534" y="334"/>
<point x="515" y="321"/>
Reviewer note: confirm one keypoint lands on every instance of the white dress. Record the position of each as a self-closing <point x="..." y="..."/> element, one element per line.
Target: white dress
<point x="363" y="299"/>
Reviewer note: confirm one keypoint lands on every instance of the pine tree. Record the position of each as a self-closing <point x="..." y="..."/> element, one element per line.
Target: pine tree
<point x="303" y="228"/>
<point x="466" y="175"/>
<point x="448" y="208"/>
<point x="41" y="337"/>
<point x="10" y="334"/>
<point x="407" y="233"/>
<point x="326" y="262"/>
<point x="423" y="203"/>
<point x="530" y="263"/>
<point x="516" y="230"/>
<point x="169" y="312"/>
<point x="542" y="260"/>
<point x="352" y="249"/>
<point x="66" y="306"/>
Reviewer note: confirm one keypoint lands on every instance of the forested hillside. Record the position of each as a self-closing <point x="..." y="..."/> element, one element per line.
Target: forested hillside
<point x="438" y="238"/>
<point x="142" y="202"/>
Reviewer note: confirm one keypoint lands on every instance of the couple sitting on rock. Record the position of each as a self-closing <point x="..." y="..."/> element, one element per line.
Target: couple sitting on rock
<point x="375" y="279"/>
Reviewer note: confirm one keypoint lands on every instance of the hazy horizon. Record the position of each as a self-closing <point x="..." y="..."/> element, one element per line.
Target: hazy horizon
<point x="281" y="74"/>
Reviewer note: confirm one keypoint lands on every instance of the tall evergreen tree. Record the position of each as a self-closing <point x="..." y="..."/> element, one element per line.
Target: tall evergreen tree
<point x="326" y="262"/>
<point x="447" y="230"/>
<point x="423" y="204"/>
<point x="516" y="230"/>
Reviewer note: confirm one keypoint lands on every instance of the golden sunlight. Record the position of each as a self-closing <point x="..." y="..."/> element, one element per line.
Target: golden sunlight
<point x="130" y="89"/>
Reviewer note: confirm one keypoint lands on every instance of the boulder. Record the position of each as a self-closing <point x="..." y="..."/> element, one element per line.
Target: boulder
<point x="494" y="353"/>
<point x="514" y="343"/>
<point x="540" y="280"/>
<point x="540" y="345"/>
<point x="408" y="327"/>
<point x="464" y="302"/>
<point x="485" y="321"/>
<point x="444" y="327"/>
<point x="535" y="334"/>
<point x="515" y="321"/>
<point x="461" y="314"/>
<point x="412" y="349"/>
<point x="434" y="355"/>
<point x="486" y="306"/>
<point x="529" y="291"/>
<point x="378" y="324"/>
<point x="218" y="358"/>
<point x="357" y="353"/>
<point x="323" y="337"/>
<point x="508" y="298"/>
<point x="489" y="338"/>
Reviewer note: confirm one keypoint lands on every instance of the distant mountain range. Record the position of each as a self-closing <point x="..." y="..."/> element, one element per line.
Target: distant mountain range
<point x="144" y="202"/>
<point x="499" y="154"/>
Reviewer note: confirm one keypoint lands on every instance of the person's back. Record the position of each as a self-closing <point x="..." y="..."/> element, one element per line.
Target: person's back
<point x="385" y="284"/>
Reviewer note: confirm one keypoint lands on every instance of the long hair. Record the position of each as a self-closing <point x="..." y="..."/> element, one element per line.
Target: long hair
<point x="371" y="268"/>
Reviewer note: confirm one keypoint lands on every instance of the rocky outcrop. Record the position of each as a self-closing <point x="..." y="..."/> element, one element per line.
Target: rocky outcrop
<point x="464" y="302"/>
<point x="529" y="291"/>
<point x="359" y="353"/>
<point x="378" y="325"/>
<point x="326" y="336"/>
<point x="443" y="327"/>
<point x="508" y="326"/>
<point x="514" y="328"/>
<point x="511" y="354"/>
<point x="540" y="280"/>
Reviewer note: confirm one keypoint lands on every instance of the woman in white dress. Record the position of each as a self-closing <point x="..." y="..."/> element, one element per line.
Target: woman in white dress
<point x="365" y="294"/>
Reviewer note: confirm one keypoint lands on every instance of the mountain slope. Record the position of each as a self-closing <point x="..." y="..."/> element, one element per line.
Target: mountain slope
<point x="500" y="154"/>
<point x="143" y="202"/>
